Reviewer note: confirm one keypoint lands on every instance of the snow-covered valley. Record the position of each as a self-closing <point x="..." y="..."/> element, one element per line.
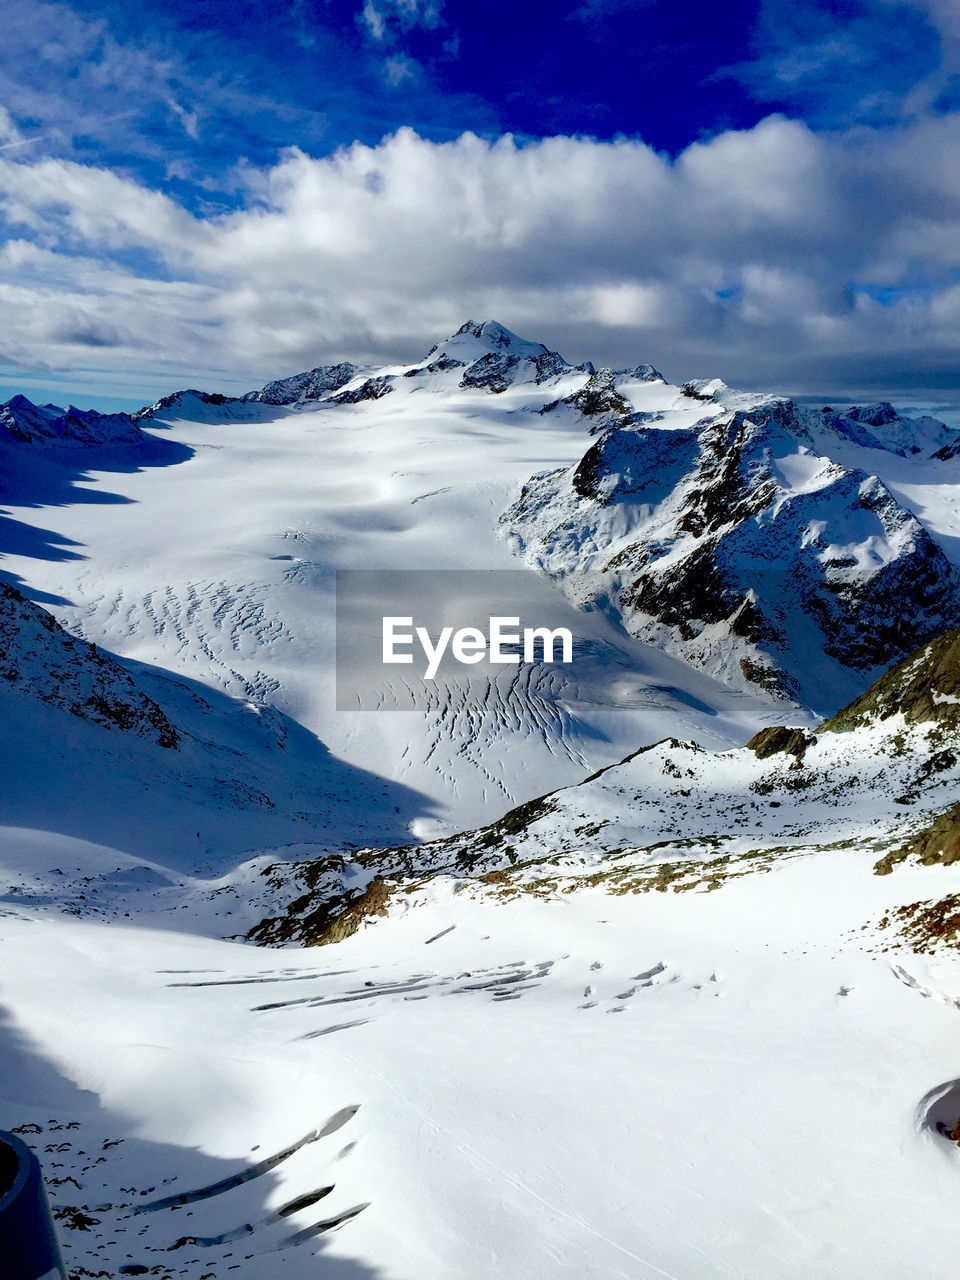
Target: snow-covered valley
<point x="604" y="991"/>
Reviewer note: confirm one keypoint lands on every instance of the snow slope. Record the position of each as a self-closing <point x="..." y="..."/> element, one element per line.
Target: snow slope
<point x="221" y="565"/>
<point x="160" y="768"/>
<point x="727" y="529"/>
<point x="675" y="816"/>
<point x="663" y="1021"/>
<point x="713" y="1085"/>
<point x="211" y="549"/>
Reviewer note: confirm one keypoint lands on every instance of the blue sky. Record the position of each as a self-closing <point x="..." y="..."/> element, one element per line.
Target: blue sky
<point x="180" y="92"/>
<point x="182" y="184"/>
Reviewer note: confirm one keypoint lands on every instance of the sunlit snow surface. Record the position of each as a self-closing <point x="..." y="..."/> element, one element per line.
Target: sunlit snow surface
<point x="220" y="565"/>
<point x="737" y="1084"/>
<point x="704" y="1085"/>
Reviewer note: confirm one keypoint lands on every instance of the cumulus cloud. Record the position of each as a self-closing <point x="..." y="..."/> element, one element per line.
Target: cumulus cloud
<point x="774" y="256"/>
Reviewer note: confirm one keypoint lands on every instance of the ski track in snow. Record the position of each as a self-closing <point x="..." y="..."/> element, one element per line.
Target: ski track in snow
<point x="509" y="981"/>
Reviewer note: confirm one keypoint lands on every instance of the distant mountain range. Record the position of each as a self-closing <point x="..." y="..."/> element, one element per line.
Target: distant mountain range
<point x="751" y="537"/>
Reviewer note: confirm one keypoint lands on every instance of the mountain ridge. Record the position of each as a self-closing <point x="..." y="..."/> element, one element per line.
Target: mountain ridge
<point x="762" y="504"/>
<point x="735" y="541"/>
<point x="672" y="817"/>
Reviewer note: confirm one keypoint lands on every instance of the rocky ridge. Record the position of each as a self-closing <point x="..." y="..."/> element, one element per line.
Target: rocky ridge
<point x="23" y="422"/>
<point x="39" y="659"/>
<point x="883" y="775"/>
<point x="314" y="384"/>
<point x="736" y="542"/>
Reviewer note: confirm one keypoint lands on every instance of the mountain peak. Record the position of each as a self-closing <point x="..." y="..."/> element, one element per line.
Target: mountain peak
<point x="24" y="422"/>
<point x="498" y="335"/>
<point x="486" y="337"/>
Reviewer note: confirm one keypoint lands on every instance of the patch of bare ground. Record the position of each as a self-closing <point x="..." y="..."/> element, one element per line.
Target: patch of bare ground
<point x="925" y="926"/>
<point x="937" y="843"/>
<point x="332" y="921"/>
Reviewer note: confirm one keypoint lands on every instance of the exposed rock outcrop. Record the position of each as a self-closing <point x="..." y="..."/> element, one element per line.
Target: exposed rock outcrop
<point x="737" y="544"/>
<point x="39" y="659"/>
<point x="314" y="384"/>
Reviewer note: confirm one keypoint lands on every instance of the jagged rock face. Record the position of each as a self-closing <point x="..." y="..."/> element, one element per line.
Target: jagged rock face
<point x="497" y="370"/>
<point x="493" y="372"/>
<point x="186" y="400"/>
<point x="598" y="399"/>
<point x="441" y="365"/>
<point x="549" y="365"/>
<point x="880" y="426"/>
<point x="923" y="688"/>
<point x="372" y="389"/>
<point x="778" y="739"/>
<point x="39" y="659"/>
<point x="734" y="545"/>
<point x="24" y="422"/>
<point x="312" y="385"/>
<point x="937" y="843"/>
<point x="875" y="415"/>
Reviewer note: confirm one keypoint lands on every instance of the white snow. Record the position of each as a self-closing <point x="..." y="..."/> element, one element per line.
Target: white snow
<point x="221" y="567"/>
<point x="530" y="1103"/>
<point x="664" y="1038"/>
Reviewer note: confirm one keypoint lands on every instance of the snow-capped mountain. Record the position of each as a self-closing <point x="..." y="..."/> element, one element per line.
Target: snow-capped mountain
<point x="492" y="358"/>
<point x="475" y="341"/>
<point x="755" y="555"/>
<point x="880" y="426"/>
<point x="488" y="355"/>
<point x="722" y="527"/>
<point x="220" y="565"/>
<point x="23" y="422"/>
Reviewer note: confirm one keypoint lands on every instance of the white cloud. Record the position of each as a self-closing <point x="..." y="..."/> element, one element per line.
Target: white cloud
<point x="150" y="98"/>
<point x="373" y="20"/>
<point x="759" y="255"/>
<point x="399" y="69"/>
<point x="10" y="135"/>
<point x="383" y="19"/>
